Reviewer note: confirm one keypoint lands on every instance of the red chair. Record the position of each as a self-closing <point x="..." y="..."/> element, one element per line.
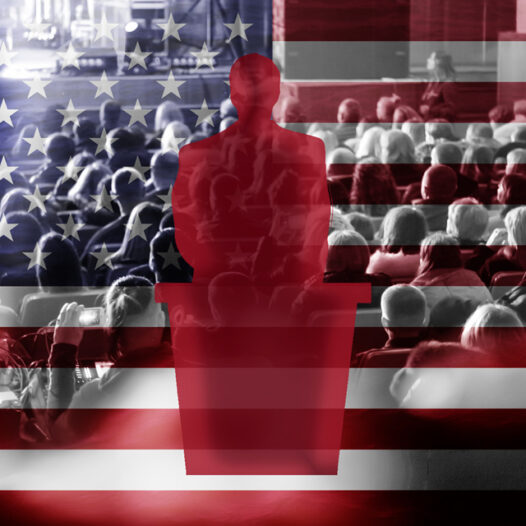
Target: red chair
<point x="502" y="282"/>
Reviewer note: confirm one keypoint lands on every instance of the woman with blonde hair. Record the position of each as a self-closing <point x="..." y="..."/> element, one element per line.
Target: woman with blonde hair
<point x="398" y="151"/>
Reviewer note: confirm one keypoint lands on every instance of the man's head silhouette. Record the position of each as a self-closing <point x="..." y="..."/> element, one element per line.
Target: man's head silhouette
<point x="254" y="85"/>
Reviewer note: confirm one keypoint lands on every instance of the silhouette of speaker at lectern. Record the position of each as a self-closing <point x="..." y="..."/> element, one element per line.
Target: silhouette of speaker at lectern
<point x="261" y="374"/>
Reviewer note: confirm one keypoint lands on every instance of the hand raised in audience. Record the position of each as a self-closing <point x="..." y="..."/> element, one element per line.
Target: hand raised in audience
<point x="67" y="327"/>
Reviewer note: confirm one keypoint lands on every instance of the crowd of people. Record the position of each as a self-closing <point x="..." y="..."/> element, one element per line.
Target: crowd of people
<point x="429" y="218"/>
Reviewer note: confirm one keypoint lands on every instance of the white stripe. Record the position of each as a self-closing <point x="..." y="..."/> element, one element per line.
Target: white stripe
<point x="367" y="388"/>
<point x="164" y="470"/>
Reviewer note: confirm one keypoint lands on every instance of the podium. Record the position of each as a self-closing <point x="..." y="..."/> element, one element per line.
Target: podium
<point x="266" y="394"/>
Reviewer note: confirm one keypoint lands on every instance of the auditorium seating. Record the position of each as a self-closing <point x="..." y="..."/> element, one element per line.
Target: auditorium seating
<point x="502" y="282"/>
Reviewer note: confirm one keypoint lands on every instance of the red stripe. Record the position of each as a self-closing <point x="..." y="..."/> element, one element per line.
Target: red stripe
<point x="362" y="429"/>
<point x="392" y="20"/>
<point x="272" y="508"/>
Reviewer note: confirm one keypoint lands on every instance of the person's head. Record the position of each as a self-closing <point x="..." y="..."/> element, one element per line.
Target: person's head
<point x="370" y="143"/>
<point x="396" y="147"/>
<point x="519" y="110"/>
<point x="340" y="161"/>
<point x="51" y="120"/>
<point x="174" y="136"/>
<point x="386" y="107"/>
<point x="62" y="266"/>
<point x="164" y="168"/>
<point x="499" y="115"/>
<point x="254" y="86"/>
<point x="130" y="305"/>
<point x="59" y="148"/>
<point x="120" y="140"/>
<point x="512" y="190"/>
<point x="416" y="129"/>
<point x="439" y="251"/>
<point x="168" y="111"/>
<point x="363" y="224"/>
<point x="495" y="329"/>
<point x="439" y="130"/>
<point x="366" y="122"/>
<point x="348" y="252"/>
<point x="226" y="123"/>
<point x="439" y="184"/>
<point x="467" y="220"/>
<point x="403" y="114"/>
<point x="404" y="229"/>
<point x="447" y="153"/>
<point x="477" y="163"/>
<point x="338" y="221"/>
<point x="18" y="180"/>
<point x="129" y="190"/>
<point x="519" y="134"/>
<point x="448" y="317"/>
<point x="88" y="182"/>
<point x="403" y="307"/>
<point x="479" y="132"/>
<point x="84" y="130"/>
<point x="26" y="233"/>
<point x="515" y="222"/>
<point x="166" y="261"/>
<point x="349" y="111"/>
<point x="291" y="110"/>
<point x="329" y="138"/>
<point x="440" y="66"/>
<point x="109" y="115"/>
<point x="17" y="201"/>
<point x="227" y="109"/>
<point x="516" y="162"/>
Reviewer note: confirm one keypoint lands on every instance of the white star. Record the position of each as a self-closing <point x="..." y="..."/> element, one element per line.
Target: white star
<point x="104" y="85"/>
<point x="70" y="171"/>
<point x="104" y="200"/>
<point x="35" y="28"/>
<point x="104" y="28"/>
<point x="204" y="57"/>
<point x="166" y="199"/>
<point x="36" y="86"/>
<point x="71" y="228"/>
<point x="237" y="29"/>
<point x="36" y="143"/>
<point x="70" y="57"/>
<point x="204" y="114"/>
<point x="5" y="114"/>
<point x="6" y="171"/>
<point x="5" y="228"/>
<point x="6" y="55"/>
<point x="174" y="141"/>
<point x="171" y="29"/>
<point x="171" y="85"/>
<point x="171" y="257"/>
<point x="102" y="141"/>
<point x="137" y="57"/>
<point x="138" y="172"/>
<point x="138" y="228"/>
<point x="137" y="114"/>
<point x="36" y="257"/>
<point x="103" y="257"/>
<point x="36" y="200"/>
<point x="70" y="114"/>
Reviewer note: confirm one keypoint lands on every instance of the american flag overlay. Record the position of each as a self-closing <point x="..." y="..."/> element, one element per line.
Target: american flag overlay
<point x="262" y="262"/>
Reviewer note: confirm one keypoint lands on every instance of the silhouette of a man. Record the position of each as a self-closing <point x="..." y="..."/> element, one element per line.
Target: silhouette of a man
<point x="253" y="199"/>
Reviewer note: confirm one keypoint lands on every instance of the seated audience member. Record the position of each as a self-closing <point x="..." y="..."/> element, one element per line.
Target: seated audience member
<point x="227" y="109"/>
<point x="21" y="200"/>
<point x="518" y="140"/>
<point x="386" y="107"/>
<point x="369" y="144"/>
<point x="516" y="162"/>
<point x="102" y="208"/>
<point x="347" y="261"/>
<point x="71" y="173"/>
<point x="128" y="189"/>
<point x="498" y="331"/>
<point x="292" y="114"/>
<point x="441" y="273"/>
<point x="481" y="134"/>
<point x="165" y="265"/>
<point x="404" y="316"/>
<point x="174" y="136"/>
<point x="83" y="133"/>
<point x="511" y="256"/>
<point x="416" y="129"/>
<point x="399" y="255"/>
<point x="226" y="123"/>
<point x="341" y="162"/>
<point x="167" y="112"/>
<point x="349" y="114"/>
<point x="403" y="114"/>
<point x="62" y="271"/>
<point x="51" y="121"/>
<point x="435" y="375"/>
<point x="499" y="115"/>
<point x="20" y="147"/>
<point x="17" y="180"/>
<point x="374" y="188"/>
<point x="448" y="317"/>
<point x="398" y="151"/>
<point x="109" y="116"/>
<point x="86" y="186"/>
<point x="328" y="137"/>
<point x="365" y="123"/>
<point x="123" y="147"/>
<point x="467" y="221"/>
<point x="363" y="224"/>
<point x="477" y="164"/>
<point x="129" y="303"/>
<point x="59" y="148"/>
<point x="450" y="155"/>
<point x="438" y="187"/>
<point x="511" y="193"/>
<point x="164" y="167"/>
<point x="505" y="132"/>
<point x="437" y="131"/>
